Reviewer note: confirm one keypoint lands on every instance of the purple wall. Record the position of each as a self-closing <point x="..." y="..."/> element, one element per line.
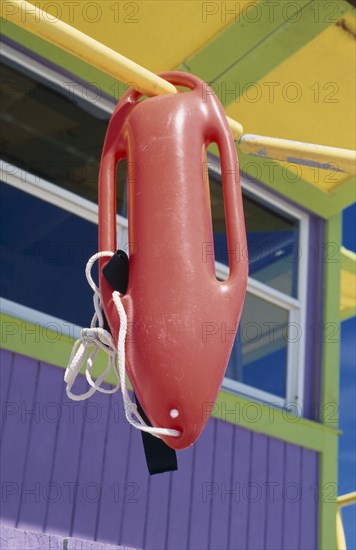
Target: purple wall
<point x="314" y="322"/>
<point x="78" y="469"/>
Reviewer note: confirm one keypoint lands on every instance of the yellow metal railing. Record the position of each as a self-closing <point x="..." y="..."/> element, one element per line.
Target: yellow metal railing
<point x="64" y="36"/>
<point x="344" y="500"/>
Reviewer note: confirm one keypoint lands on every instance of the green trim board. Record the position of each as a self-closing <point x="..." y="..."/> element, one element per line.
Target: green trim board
<point x="238" y="55"/>
<point x="330" y="384"/>
<point x="271" y="53"/>
<point x="272" y="421"/>
<point x="331" y="345"/>
<point x="45" y="345"/>
<point x="237" y="41"/>
<point x="328" y="492"/>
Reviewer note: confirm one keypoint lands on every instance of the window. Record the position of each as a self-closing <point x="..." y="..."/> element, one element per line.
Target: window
<point x="50" y="158"/>
<point x="50" y="153"/>
<point x="52" y="129"/>
<point x="45" y="250"/>
<point x="268" y="353"/>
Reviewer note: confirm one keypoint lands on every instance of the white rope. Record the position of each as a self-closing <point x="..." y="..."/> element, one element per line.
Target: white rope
<point x="98" y="338"/>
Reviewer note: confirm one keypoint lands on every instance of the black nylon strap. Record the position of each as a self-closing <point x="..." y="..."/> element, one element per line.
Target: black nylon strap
<point x="159" y="457"/>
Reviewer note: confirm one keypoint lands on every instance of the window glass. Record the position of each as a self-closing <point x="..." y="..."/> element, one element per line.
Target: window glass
<point x="259" y="355"/>
<point x="272" y="241"/>
<point x="60" y="139"/>
<point x="54" y="134"/>
<point x="44" y="250"/>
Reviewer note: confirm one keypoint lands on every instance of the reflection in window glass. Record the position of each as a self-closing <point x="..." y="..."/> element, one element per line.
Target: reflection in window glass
<point x="272" y="241"/>
<point x="54" y="134"/>
<point x="44" y="250"/>
<point x="59" y="137"/>
<point x="259" y="355"/>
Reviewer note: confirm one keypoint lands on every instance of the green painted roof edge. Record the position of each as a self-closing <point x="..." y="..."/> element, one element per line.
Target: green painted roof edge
<point x="273" y="32"/>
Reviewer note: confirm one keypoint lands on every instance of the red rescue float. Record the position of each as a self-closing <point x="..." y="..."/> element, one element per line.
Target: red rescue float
<point x="173" y="293"/>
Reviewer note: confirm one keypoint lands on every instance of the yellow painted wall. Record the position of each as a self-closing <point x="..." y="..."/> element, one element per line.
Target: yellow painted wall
<point x="160" y="35"/>
<point x="313" y="101"/>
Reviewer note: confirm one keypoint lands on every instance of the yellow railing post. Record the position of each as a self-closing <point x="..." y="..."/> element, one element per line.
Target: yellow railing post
<point x="64" y="36"/>
<point x="344" y="500"/>
<point x="296" y="152"/>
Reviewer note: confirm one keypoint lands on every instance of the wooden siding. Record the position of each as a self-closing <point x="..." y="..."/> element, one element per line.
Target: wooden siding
<point x="78" y="470"/>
